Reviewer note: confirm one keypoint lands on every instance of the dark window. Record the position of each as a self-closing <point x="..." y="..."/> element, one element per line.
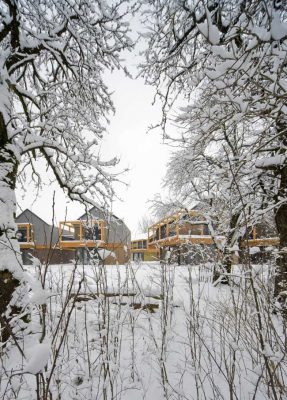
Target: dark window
<point x="163" y="231"/>
<point x="196" y="230"/>
<point x="157" y="234"/>
<point x="93" y="233"/>
<point x="21" y="235"/>
<point x="184" y="228"/>
<point x="172" y="229"/>
<point x="97" y="232"/>
<point x="266" y="229"/>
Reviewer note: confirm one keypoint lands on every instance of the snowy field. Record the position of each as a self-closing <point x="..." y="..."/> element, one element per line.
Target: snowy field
<point x="147" y="331"/>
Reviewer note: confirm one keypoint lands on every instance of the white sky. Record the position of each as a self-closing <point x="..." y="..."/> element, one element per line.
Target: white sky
<point x="142" y="152"/>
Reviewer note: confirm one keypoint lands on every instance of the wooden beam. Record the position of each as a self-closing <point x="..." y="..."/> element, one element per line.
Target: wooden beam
<point x="26" y="245"/>
<point x="260" y="242"/>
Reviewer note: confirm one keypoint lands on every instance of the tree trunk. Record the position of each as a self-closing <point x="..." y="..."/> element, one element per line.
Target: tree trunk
<point x="11" y="270"/>
<point x="226" y="264"/>
<point x="280" y="289"/>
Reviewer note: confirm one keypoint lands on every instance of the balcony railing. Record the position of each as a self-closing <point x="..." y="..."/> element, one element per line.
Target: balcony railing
<point x="253" y="239"/>
<point x="182" y="225"/>
<point x="81" y="233"/>
<point x="25" y="234"/>
<point x="191" y="227"/>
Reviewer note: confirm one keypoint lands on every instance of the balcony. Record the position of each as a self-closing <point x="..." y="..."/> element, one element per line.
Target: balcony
<point x="75" y="234"/>
<point x="182" y="227"/>
<point x="253" y="239"/>
<point x="25" y="235"/>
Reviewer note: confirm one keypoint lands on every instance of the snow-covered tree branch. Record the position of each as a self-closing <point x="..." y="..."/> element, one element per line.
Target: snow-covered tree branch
<point x="227" y="61"/>
<point x="54" y="103"/>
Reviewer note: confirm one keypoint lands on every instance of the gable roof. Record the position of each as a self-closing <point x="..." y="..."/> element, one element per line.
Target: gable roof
<point x="29" y="215"/>
<point x="43" y="232"/>
<point x="102" y="211"/>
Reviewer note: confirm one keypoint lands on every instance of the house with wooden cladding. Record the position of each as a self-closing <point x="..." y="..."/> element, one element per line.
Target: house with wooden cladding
<point x="39" y="239"/>
<point x="140" y="251"/>
<point x="184" y="237"/>
<point x="263" y="237"/>
<point x="95" y="233"/>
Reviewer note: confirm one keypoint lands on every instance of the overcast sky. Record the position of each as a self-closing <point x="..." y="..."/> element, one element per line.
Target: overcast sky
<point x="143" y="153"/>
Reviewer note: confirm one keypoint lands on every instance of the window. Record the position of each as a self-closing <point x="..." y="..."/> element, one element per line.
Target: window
<point x="21" y="235"/>
<point x="196" y="230"/>
<point x="163" y="231"/>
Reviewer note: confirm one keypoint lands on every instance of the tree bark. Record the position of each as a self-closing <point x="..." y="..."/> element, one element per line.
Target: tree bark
<point x="10" y="258"/>
<point x="226" y="264"/>
<point x="280" y="172"/>
<point x="280" y="289"/>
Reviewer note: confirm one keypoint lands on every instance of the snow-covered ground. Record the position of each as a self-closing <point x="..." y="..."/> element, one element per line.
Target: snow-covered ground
<point x="147" y="331"/>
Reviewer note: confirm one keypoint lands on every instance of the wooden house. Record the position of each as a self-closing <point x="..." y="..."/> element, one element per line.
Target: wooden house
<point x="182" y="237"/>
<point x="140" y="251"/>
<point x="96" y="233"/>
<point x="261" y="239"/>
<point x="39" y="239"/>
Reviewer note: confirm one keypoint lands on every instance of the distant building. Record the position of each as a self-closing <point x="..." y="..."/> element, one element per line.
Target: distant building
<point x="140" y="250"/>
<point x="261" y="239"/>
<point x="39" y="239"/>
<point x="182" y="237"/>
<point x="94" y="234"/>
<point x="98" y="234"/>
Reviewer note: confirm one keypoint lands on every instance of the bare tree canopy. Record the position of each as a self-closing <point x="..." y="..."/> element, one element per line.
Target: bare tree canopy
<point x="227" y="61"/>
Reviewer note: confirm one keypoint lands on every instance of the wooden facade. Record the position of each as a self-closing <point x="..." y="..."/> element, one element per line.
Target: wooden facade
<point x="92" y="234"/>
<point x="258" y="244"/>
<point x="141" y="251"/>
<point x="25" y="235"/>
<point x="106" y="232"/>
<point x="255" y="239"/>
<point x="75" y="234"/>
<point x="180" y="228"/>
<point x="184" y="237"/>
<point x="174" y="235"/>
<point x="73" y="240"/>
